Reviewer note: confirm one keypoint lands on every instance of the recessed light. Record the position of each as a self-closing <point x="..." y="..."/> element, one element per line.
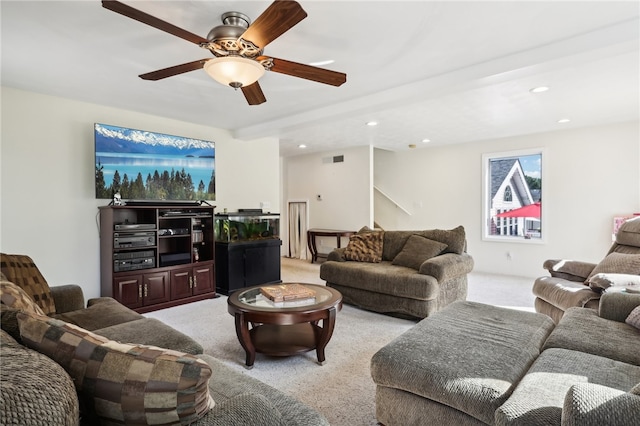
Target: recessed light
<point x="372" y="123"/>
<point x="563" y="120"/>
<point x="426" y="140"/>
<point x="539" y="89"/>
<point x="321" y="63"/>
<point x="302" y="146"/>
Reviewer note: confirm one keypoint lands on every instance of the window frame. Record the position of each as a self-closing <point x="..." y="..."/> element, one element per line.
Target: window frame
<point x="486" y="196"/>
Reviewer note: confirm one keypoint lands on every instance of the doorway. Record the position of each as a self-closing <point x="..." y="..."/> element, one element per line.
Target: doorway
<point x="298" y="213"/>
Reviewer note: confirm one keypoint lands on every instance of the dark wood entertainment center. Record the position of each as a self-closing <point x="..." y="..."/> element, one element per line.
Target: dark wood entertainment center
<point x="157" y="256"/>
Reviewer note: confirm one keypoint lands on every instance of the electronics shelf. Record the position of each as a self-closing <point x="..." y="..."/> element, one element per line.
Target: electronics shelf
<point x="156" y="256"/>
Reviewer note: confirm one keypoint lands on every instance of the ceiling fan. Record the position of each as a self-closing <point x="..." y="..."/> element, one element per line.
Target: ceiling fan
<point x="237" y="47"/>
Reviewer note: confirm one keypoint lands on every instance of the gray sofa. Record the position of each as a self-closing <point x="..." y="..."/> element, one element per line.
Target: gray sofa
<point x="476" y="364"/>
<point x="35" y="390"/>
<point x="390" y="287"/>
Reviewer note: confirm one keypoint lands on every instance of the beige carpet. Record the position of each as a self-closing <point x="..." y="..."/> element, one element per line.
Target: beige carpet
<point x="341" y="389"/>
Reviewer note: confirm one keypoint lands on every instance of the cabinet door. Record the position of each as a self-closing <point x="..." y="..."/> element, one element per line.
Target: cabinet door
<point x="262" y="265"/>
<point x="156" y="288"/>
<point x="203" y="278"/>
<point x="181" y="283"/>
<point x="128" y="290"/>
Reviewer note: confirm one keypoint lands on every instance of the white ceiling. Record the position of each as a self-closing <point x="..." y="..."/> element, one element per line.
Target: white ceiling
<point x="449" y="71"/>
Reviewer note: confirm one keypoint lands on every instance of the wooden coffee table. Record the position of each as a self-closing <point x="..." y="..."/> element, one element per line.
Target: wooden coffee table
<point x="284" y="328"/>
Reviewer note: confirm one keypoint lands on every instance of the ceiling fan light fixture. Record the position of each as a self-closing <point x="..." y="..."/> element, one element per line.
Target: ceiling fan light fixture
<point x="234" y="71"/>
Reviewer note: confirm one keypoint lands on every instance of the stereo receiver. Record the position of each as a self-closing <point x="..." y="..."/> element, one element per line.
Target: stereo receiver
<point x="134" y="239"/>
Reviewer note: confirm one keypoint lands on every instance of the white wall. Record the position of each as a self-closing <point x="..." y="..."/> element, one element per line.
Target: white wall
<point x="345" y="189"/>
<point x="592" y="175"/>
<point x="48" y="208"/>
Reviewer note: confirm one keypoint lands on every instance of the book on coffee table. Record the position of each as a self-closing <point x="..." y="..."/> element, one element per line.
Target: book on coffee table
<point x="283" y="292"/>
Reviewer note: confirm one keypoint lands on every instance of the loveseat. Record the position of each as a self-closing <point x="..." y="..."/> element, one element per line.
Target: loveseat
<point x="56" y="372"/>
<point x="477" y="364"/>
<point x="412" y="273"/>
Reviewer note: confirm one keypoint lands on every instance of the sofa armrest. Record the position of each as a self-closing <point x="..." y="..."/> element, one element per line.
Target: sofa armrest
<point x="67" y="298"/>
<point x="241" y="410"/>
<point x="337" y="255"/>
<point x="590" y="404"/>
<point x="572" y="270"/>
<point x="618" y="306"/>
<point x="447" y="266"/>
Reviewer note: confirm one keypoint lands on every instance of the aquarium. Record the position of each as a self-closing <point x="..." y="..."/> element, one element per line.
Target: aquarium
<point x="244" y="226"/>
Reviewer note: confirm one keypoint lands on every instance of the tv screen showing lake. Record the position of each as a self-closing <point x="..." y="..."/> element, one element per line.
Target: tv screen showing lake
<point x="147" y="165"/>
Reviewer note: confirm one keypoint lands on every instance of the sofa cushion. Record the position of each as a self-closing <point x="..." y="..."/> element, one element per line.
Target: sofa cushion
<point x="129" y="383"/>
<point x="416" y="250"/>
<point x="617" y="263"/>
<point x="394" y="241"/>
<point x="455" y="238"/>
<point x="152" y="332"/>
<point x="634" y="318"/>
<point x="107" y="313"/>
<point x="382" y="277"/>
<point x="365" y="247"/>
<point x="614" y="282"/>
<point x="551" y="376"/>
<point x="35" y="389"/>
<point x="583" y="330"/>
<point x="468" y="356"/>
<point x="589" y="404"/>
<point x="563" y="294"/>
<point x="629" y="233"/>
<point x="16" y="298"/>
<point x="22" y="271"/>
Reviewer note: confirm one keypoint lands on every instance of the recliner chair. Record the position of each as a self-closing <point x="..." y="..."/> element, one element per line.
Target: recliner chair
<point x="578" y="284"/>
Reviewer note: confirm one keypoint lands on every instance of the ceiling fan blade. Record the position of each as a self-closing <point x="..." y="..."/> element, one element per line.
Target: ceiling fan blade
<point x="175" y="70"/>
<point x="309" y="72"/>
<point x="279" y="17"/>
<point x="145" y="18"/>
<point x="253" y="94"/>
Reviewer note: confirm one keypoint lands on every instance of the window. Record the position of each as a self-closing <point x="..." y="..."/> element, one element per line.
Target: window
<point x="507" y="194"/>
<point x="512" y="196"/>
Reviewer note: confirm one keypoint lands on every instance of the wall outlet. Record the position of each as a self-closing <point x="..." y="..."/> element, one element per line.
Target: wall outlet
<point x="265" y="204"/>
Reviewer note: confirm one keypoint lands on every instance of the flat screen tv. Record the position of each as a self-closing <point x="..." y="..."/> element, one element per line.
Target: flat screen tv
<point x="143" y="165"/>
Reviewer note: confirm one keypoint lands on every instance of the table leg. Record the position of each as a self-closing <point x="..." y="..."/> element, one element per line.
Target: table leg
<point x="324" y="336"/>
<point x="311" y="241"/>
<point x="244" y="336"/>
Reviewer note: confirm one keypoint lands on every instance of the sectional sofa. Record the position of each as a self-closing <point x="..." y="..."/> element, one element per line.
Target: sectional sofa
<point x="476" y="364"/>
<point x="62" y="364"/>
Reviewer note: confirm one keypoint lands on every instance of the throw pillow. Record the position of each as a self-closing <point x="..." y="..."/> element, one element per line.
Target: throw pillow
<point x="416" y="250"/>
<point x="125" y="383"/>
<point x="634" y="318"/>
<point x="617" y="263"/>
<point x="614" y="282"/>
<point x="22" y="271"/>
<point x="16" y="298"/>
<point x="365" y="247"/>
<point x="455" y="238"/>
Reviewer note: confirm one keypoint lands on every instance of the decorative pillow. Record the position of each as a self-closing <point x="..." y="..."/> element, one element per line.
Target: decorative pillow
<point x="416" y="250"/>
<point x="365" y="247"/>
<point x="614" y="282"/>
<point x="16" y="298"/>
<point x="126" y="383"/>
<point x="22" y="271"/>
<point x="455" y="238"/>
<point x="617" y="263"/>
<point x="634" y="319"/>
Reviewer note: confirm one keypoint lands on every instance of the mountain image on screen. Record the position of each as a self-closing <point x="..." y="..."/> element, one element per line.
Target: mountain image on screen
<point x="143" y="165"/>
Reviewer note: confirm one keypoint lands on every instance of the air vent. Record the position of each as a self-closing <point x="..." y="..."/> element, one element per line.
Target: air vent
<point x="338" y="159"/>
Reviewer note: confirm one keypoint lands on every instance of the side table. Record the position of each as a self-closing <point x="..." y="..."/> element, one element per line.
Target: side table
<point x="315" y="232"/>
